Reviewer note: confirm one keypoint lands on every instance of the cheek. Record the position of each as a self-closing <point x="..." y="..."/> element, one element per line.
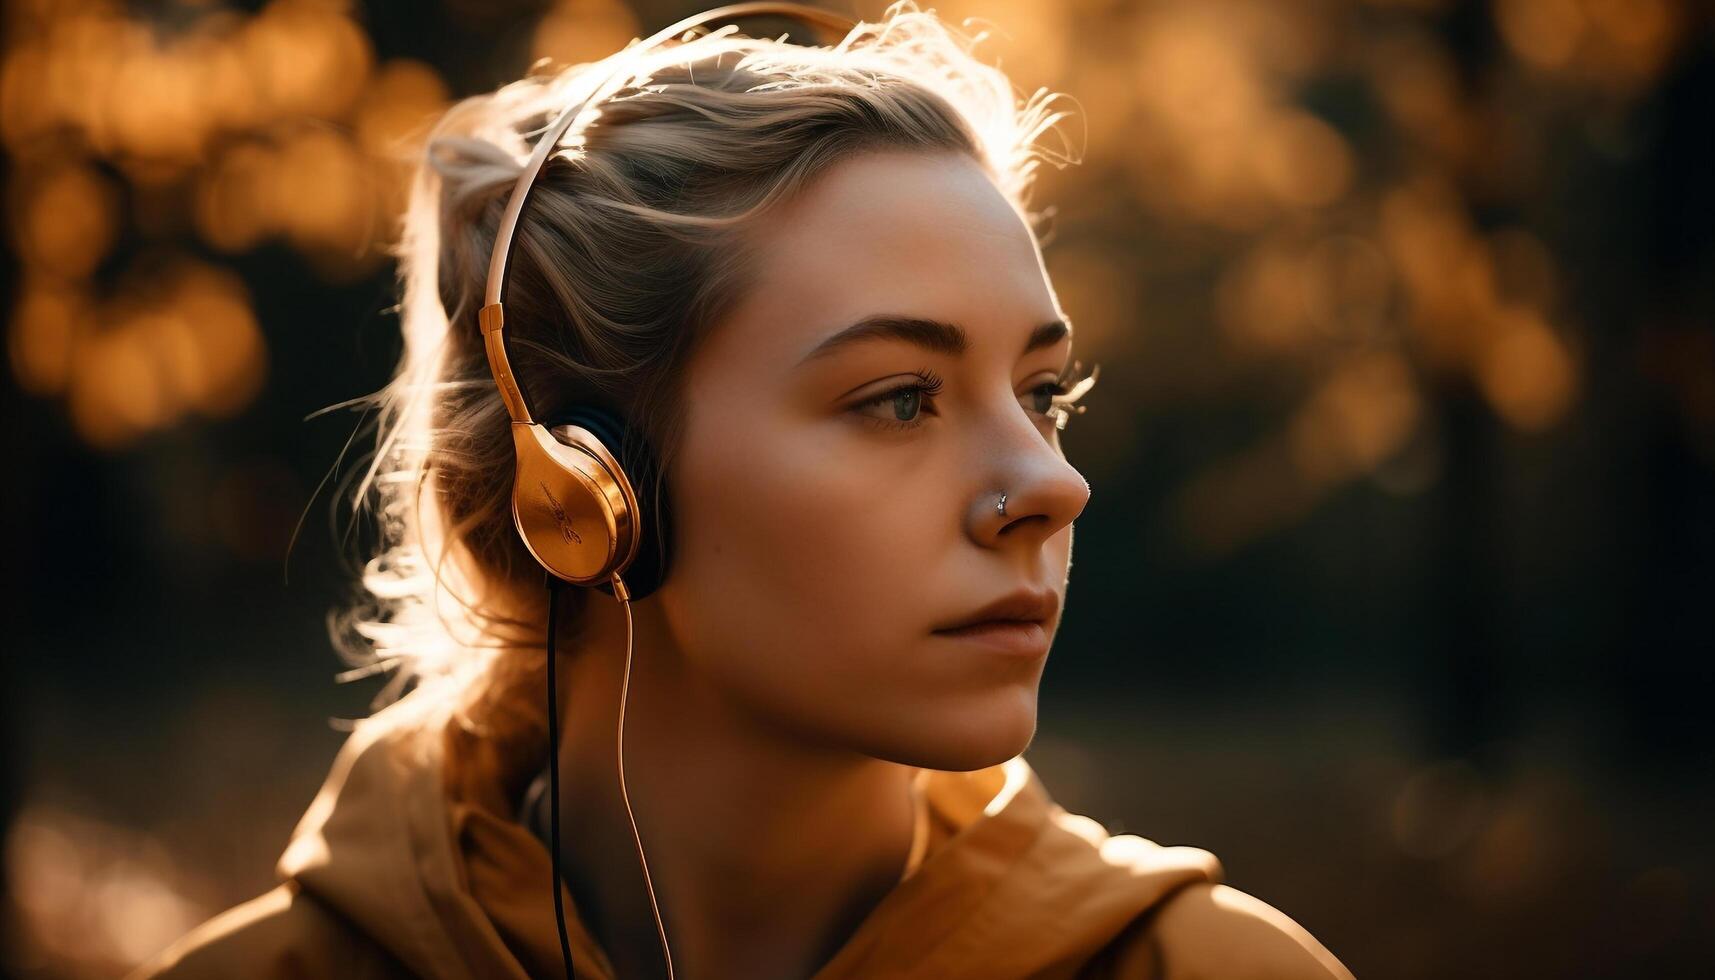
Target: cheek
<point x="797" y="565"/>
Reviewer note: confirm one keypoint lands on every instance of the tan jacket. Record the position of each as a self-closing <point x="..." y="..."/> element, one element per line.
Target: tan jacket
<point x="411" y="862"/>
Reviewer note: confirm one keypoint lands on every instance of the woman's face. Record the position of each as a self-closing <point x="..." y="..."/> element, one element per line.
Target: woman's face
<point x="826" y="522"/>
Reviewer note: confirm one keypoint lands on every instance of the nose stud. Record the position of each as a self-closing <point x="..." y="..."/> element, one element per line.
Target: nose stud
<point x="1000" y="508"/>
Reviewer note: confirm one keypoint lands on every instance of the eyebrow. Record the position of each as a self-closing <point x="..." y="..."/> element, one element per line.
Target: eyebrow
<point x="933" y="335"/>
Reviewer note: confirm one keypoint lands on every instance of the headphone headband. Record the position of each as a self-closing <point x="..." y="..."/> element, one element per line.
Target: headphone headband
<point x="492" y="316"/>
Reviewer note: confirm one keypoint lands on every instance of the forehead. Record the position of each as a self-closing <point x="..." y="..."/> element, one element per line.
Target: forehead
<point x="921" y="234"/>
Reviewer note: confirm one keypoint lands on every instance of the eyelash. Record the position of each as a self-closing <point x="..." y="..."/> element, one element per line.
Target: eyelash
<point x="930" y="384"/>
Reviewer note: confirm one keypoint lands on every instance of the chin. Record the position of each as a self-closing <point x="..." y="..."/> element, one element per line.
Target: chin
<point x="968" y="737"/>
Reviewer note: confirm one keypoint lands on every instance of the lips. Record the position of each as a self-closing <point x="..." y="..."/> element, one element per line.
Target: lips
<point x="1022" y="639"/>
<point x="1017" y="609"/>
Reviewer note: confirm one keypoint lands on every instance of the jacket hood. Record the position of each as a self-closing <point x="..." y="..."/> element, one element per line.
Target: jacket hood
<point x="415" y="839"/>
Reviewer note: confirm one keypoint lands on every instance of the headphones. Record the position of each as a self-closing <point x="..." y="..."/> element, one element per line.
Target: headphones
<point x="573" y="499"/>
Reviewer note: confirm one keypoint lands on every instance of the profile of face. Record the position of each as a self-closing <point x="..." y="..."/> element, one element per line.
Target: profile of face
<point x="835" y="503"/>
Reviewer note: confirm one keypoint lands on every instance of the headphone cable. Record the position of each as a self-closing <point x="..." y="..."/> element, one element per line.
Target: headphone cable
<point x="554" y="775"/>
<point x="624" y="596"/>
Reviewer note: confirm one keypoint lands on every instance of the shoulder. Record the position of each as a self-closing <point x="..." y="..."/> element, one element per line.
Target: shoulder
<point x="279" y="934"/>
<point x="1210" y="930"/>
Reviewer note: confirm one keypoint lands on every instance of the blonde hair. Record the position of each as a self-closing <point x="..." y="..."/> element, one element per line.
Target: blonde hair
<point x="628" y="250"/>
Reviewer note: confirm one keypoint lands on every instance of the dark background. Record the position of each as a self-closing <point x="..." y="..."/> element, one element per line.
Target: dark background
<point x="1394" y="590"/>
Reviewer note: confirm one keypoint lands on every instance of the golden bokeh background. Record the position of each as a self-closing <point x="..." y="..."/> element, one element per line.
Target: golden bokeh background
<point x="1394" y="591"/>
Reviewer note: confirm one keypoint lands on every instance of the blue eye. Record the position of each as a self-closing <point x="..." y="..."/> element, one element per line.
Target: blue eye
<point x="1045" y="395"/>
<point x="1057" y="400"/>
<point x="904" y="404"/>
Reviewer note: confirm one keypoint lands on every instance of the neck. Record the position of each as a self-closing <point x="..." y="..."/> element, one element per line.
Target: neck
<point x="766" y="848"/>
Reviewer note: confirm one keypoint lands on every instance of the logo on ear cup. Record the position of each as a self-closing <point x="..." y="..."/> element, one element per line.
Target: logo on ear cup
<point x="560" y="517"/>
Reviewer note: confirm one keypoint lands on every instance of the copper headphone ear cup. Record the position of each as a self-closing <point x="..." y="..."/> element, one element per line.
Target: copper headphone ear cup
<point x="574" y="516"/>
<point x="617" y="490"/>
<point x="631" y="457"/>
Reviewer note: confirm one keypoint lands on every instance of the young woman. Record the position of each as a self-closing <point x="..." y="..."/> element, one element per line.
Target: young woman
<point x="806" y="280"/>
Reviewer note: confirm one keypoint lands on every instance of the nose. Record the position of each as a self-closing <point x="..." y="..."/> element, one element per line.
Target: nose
<point x="1044" y="491"/>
